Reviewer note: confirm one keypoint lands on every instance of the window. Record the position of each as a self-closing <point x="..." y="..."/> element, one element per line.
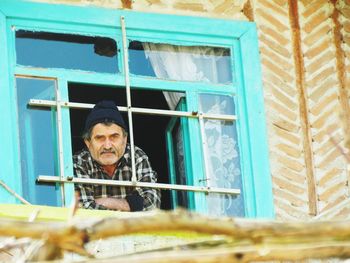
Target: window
<point x="198" y="88"/>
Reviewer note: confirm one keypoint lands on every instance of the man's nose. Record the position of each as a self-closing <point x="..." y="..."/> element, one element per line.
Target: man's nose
<point x="107" y="144"/>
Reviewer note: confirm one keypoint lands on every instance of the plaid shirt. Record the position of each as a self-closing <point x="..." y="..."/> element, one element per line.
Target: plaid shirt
<point x="86" y="167"/>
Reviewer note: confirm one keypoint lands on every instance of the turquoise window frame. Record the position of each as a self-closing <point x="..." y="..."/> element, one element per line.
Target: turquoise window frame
<point x="187" y="154"/>
<point x="240" y="37"/>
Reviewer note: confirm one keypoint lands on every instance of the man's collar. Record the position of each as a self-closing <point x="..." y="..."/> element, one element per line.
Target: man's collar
<point x="126" y="158"/>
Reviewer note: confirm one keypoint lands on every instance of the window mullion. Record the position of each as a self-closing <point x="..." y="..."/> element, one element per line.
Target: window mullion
<point x="171" y="113"/>
<point x="203" y="189"/>
<point x="205" y="154"/>
<point x="60" y="143"/>
<point x="128" y="98"/>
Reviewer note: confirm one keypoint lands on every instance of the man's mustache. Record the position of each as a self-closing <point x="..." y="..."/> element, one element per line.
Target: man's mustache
<point x="108" y="151"/>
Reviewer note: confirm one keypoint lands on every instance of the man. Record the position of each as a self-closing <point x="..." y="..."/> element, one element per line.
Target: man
<point x="108" y="156"/>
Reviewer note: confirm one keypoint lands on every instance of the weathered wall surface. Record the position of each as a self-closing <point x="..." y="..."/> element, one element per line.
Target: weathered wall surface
<point x="305" y="55"/>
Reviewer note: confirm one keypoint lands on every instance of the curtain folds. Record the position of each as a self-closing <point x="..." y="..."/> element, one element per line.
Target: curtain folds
<point x="188" y="63"/>
<point x="210" y="65"/>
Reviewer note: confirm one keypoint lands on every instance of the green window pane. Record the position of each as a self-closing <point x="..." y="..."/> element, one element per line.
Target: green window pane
<point x="37" y="137"/>
<point x="51" y="50"/>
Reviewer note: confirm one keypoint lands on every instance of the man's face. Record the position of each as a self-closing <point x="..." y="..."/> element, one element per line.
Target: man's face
<point x="107" y="143"/>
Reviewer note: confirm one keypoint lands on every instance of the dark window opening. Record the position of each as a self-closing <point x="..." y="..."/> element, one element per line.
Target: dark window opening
<point x="149" y="130"/>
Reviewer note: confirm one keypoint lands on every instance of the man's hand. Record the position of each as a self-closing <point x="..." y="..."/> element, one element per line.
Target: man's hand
<point x="113" y="203"/>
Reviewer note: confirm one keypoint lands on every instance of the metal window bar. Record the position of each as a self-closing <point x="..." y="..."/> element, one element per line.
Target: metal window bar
<point x="128" y="99"/>
<point x="148" y="111"/>
<point x="75" y="180"/>
<point x="130" y="110"/>
<point x="204" y="148"/>
<point x="76" y="105"/>
<point x="60" y="143"/>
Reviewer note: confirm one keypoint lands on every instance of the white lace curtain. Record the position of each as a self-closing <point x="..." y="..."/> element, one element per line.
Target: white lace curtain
<point x="205" y="64"/>
<point x="188" y="63"/>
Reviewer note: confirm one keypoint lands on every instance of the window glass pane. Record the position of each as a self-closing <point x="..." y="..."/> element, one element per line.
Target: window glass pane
<point x="51" y="50"/>
<point x="37" y="136"/>
<point x="186" y="63"/>
<point x="179" y="162"/>
<point x="222" y="156"/>
<point x="178" y="157"/>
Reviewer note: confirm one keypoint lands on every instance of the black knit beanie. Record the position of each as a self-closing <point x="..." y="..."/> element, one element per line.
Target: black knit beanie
<point x="104" y="111"/>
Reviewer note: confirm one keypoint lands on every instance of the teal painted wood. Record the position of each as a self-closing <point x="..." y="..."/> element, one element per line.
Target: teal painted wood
<point x="62" y="27"/>
<point x="239" y="36"/>
<point x="67" y="143"/>
<point x="171" y="159"/>
<point x="135" y="20"/>
<point x="243" y="135"/>
<point x="29" y="142"/>
<point x="77" y="76"/>
<point x="118" y="80"/>
<point x="9" y="155"/>
<point x="196" y="153"/>
<point x="187" y="155"/>
<point x="254" y="99"/>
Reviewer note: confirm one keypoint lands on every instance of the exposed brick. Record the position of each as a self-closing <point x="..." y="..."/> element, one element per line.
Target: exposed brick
<point x="314" y="7"/>
<point x="316" y="21"/>
<point x="330" y="191"/>
<point x="334" y="203"/>
<point x="221" y="8"/>
<point x="281" y="2"/>
<point x="321" y="76"/>
<point x="286" y="125"/>
<point x="284" y="184"/>
<point x="312" y="52"/>
<point x="328" y="145"/>
<point x="292" y="198"/>
<point x="293" y="138"/>
<point x="274" y="8"/>
<point x="326" y="58"/>
<point x="346" y="26"/>
<point x="283" y="51"/>
<point x="323" y="104"/>
<point x="345" y="12"/>
<point x="329" y="175"/>
<point x="190" y="7"/>
<point x="272" y="20"/>
<point x="347" y="40"/>
<point x="154" y="2"/>
<point x="323" y="134"/>
<point x="283" y="41"/>
<point x="289" y="150"/>
<point x="287" y="209"/>
<point x="292" y="176"/>
<point x="282" y="73"/>
<point x="335" y="154"/>
<point x="310" y="39"/>
<point x="277" y="107"/>
<point x="320" y="122"/>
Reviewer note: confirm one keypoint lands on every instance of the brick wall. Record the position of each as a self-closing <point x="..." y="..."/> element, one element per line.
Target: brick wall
<point x="305" y="55"/>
